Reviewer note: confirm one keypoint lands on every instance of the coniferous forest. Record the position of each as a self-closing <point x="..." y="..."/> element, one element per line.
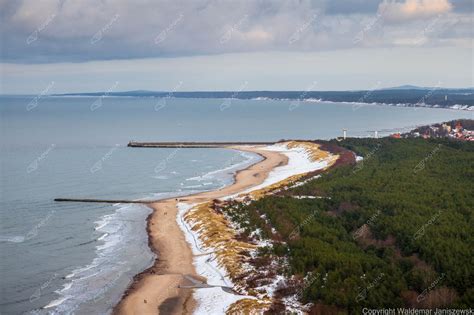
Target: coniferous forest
<point x="394" y="230"/>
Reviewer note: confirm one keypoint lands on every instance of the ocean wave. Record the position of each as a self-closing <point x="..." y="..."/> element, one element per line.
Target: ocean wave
<point x="121" y="253"/>
<point x="122" y="250"/>
<point x="192" y="186"/>
<point x="55" y="303"/>
<point x="103" y="236"/>
<point x="101" y="223"/>
<point x="229" y="167"/>
<point x="12" y="239"/>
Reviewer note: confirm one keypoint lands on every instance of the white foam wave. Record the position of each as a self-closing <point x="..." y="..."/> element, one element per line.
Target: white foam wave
<point x="67" y="286"/>
<point x="193" y="186"/>
<point x="123" y="248"/>
<point x="55" y="303"/>
<point x="101" y="223"/>
<point x="12" y="239"/>
<point x="103" y="236"/>
<point x="121" y="232"/>
<point x="70" y="275"/>
<point x="229" y="167"/>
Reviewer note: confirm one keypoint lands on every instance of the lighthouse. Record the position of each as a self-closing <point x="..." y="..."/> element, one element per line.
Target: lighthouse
<point x="344" y="133"/>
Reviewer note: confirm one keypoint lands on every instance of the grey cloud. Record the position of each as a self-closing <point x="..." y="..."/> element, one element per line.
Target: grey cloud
<point x="461" y="27"/>
<point x="352" y="6"/>
<point x="463" y="6"/>
<point x="409" y="10"/>
<point x="54" y="31"/>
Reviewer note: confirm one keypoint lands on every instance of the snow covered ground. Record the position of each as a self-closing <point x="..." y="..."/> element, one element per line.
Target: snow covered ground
<point x="209" y="300"/>
<point x="299" y="162"/>
<point x="215" y="300"/>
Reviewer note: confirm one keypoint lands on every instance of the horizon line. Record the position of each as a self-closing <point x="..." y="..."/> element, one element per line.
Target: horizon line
<point x="402" y="87"/>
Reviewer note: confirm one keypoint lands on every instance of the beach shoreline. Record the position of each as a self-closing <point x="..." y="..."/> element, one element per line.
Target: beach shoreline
<point x="156" y="288"/>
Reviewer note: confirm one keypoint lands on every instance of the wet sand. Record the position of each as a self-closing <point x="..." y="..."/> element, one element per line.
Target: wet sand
<point x="157" y="289"/>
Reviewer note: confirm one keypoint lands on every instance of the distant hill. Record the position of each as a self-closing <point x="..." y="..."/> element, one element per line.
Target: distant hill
<point x="414" y="87"/>
<point x="406" y="95"/>
<point x="407" y="87"/>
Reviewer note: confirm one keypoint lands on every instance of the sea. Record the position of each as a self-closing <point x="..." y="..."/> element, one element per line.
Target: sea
<point x="79" y="258"/>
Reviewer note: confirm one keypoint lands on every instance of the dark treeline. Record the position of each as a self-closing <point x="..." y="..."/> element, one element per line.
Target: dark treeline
<point x="433" y="96"/>
<point x="397" y="229"/>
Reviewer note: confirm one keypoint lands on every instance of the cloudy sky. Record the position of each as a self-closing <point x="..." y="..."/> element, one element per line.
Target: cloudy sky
<point x="91" y="45"/>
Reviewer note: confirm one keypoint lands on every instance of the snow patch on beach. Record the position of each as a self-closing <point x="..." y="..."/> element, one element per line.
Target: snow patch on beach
<point x="209" y="300"/>
<point x="299" y="162"/>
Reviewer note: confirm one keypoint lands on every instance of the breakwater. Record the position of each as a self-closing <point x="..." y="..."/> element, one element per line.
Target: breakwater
<point x="193" y="144"/>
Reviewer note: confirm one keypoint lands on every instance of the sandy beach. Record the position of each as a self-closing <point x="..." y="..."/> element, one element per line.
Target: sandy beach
<point x="157" y="289"/>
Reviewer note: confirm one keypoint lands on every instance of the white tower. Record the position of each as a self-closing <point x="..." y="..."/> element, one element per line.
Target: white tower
<point x="344" y="133"/>
<point x="376" y="134"/>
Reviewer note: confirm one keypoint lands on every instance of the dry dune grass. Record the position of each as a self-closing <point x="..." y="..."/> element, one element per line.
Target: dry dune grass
<point x="313" y="149"/>
<point x="249" y="306"/>
<point x="217" y="236"/>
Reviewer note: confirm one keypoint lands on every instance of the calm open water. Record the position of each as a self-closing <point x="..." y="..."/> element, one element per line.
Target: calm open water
<point x="79" y="258"/>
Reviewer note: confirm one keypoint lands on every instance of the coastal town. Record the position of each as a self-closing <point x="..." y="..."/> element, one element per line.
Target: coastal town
<point x="462" y="130"/>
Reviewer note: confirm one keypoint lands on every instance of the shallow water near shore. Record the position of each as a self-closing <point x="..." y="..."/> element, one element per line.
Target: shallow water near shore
<point x="75" y="257"/>
<point x="61" y="255"/>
